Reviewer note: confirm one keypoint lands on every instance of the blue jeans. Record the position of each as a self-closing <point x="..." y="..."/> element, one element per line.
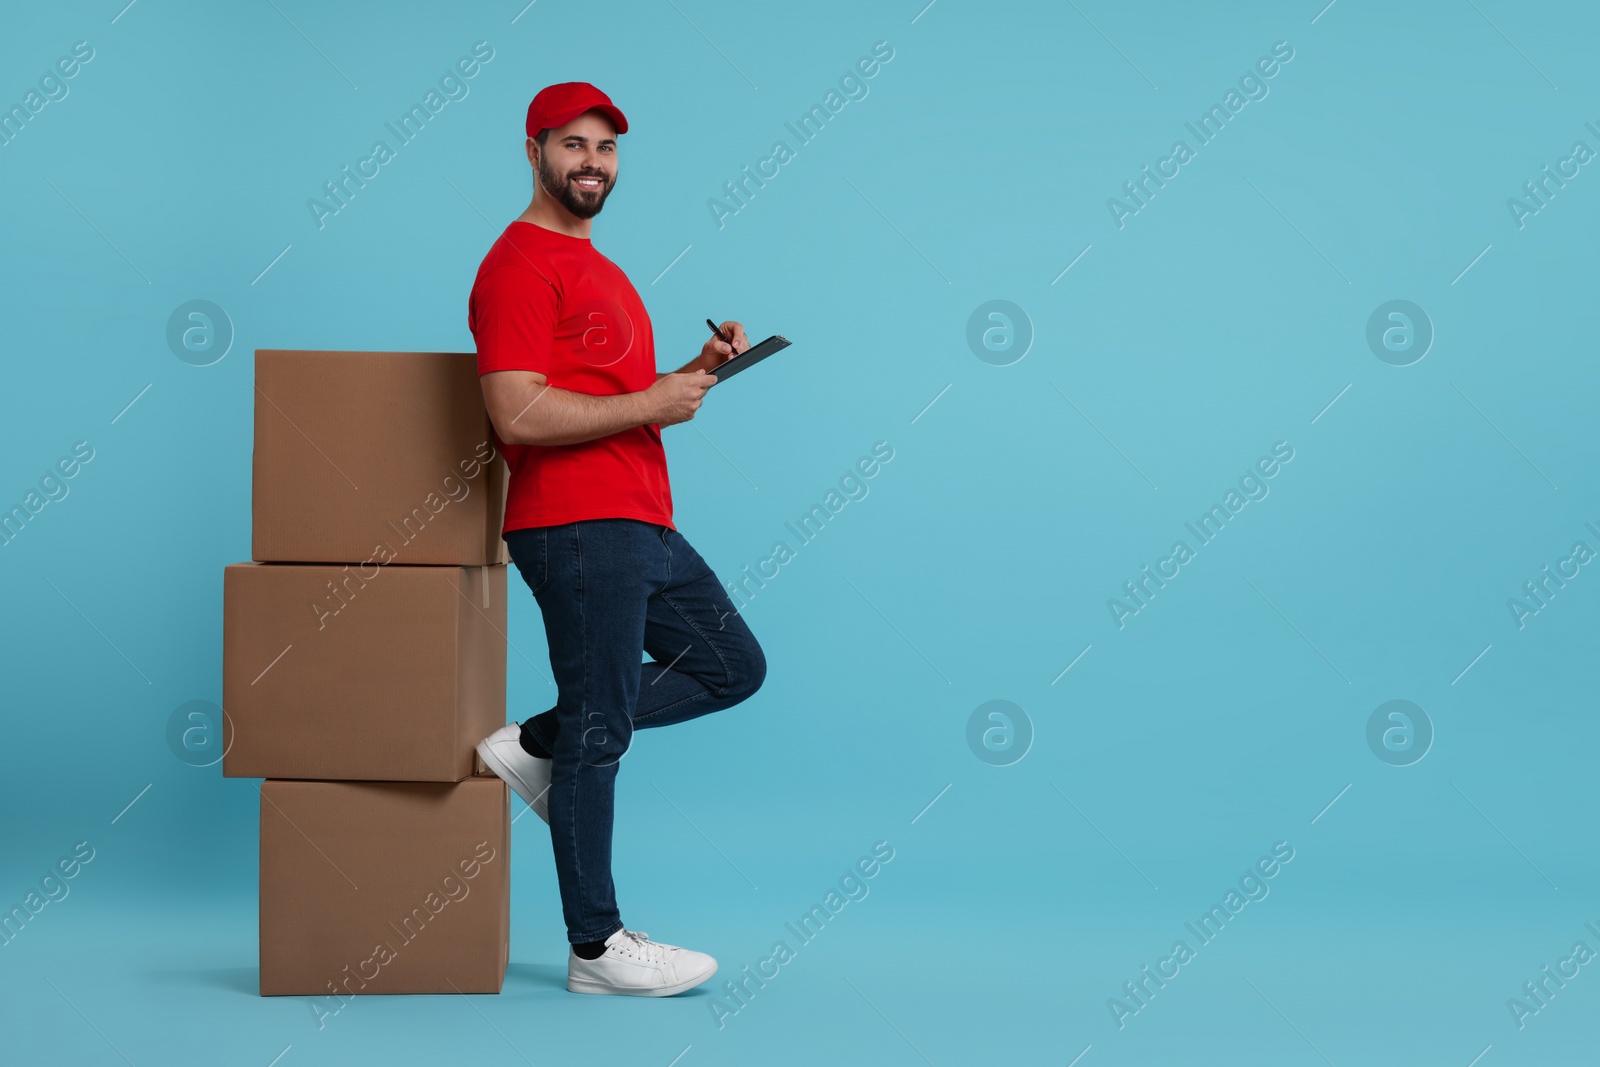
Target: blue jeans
<point x="609" y="589"/>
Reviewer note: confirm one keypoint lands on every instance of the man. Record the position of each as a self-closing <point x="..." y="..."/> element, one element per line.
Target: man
<point x="566" y="358"/>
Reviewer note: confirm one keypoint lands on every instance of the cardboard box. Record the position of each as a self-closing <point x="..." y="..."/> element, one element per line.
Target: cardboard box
<point x="381" y="674"/>
<point x="384" y="887"/>
<point x="382" y="456"/>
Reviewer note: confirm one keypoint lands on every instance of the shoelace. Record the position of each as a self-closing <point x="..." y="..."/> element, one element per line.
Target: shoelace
<point x="644" y="947"/>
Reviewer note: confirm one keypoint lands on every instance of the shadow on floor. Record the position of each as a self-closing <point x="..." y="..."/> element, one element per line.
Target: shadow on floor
<point x="245" y="980"/>
<point x="530" y="977"/>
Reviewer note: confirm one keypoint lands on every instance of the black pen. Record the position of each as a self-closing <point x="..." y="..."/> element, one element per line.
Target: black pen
<point x="718" y="331"/>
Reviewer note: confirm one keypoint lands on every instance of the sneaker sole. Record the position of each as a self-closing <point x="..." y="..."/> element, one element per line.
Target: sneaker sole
<point x="511" y="778"/>
<point x="590" y="985"/>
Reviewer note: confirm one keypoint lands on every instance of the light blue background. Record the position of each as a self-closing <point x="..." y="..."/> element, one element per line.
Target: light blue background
<point x="1225" y="316"/>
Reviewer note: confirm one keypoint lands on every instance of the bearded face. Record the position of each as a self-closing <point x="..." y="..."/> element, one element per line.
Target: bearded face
<point x="581" y="188"/>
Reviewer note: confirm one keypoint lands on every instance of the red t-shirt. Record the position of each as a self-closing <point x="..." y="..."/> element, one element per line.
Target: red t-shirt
<point x="547" y="302"/>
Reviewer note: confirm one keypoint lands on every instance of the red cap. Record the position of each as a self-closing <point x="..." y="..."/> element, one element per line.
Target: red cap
<point x="557" y="105"/>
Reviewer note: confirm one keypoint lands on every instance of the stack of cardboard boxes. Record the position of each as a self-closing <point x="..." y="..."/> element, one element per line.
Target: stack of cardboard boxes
<point x="364" y="656"/>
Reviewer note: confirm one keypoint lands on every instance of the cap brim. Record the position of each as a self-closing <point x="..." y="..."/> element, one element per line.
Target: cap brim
<point x="610" y="111"/>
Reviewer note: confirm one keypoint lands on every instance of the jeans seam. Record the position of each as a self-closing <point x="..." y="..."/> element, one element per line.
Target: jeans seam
<point x="727" y="674"/>
<point x="583" y="624"/>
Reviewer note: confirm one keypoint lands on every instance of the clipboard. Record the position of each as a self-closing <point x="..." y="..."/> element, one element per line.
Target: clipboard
<point x="750" y="357"/>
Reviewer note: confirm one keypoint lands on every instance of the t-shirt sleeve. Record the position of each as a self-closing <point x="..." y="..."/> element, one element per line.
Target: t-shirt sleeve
<point x="513" y="320"/>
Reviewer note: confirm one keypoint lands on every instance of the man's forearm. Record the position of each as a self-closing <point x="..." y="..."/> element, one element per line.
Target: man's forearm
<point x="553" y="416"/>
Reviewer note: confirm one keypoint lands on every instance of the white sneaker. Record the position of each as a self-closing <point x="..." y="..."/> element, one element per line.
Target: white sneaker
<point x="636" y="966"/>
<point x="502" y="753"/>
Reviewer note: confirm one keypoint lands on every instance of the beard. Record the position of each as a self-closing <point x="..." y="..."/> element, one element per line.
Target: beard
<point x="583" y="203"/>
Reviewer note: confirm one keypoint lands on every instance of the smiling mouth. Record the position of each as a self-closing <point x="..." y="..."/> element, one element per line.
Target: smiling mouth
<point x="589" y="183"/>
